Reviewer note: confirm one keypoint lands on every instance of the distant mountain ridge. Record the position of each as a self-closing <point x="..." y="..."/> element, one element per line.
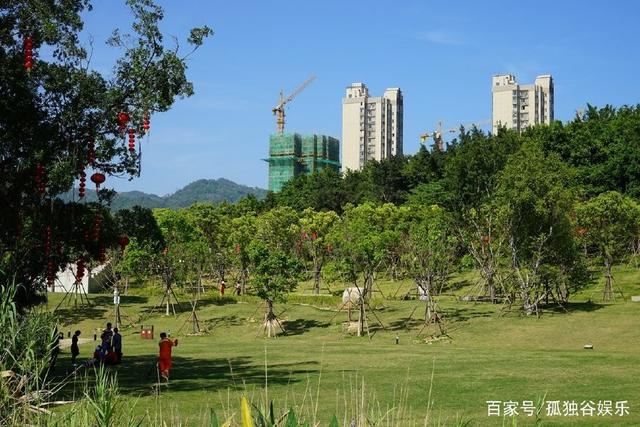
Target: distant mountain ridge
<point x="202" y="190"/>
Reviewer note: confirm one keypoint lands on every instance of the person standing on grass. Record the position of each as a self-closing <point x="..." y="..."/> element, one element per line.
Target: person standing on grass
<point x="75" y="350"/>
<point x="222" y="288"/>
<point x="164" y="361"/>
<point x="116" y="342"/>
<point x="238" y="289"/>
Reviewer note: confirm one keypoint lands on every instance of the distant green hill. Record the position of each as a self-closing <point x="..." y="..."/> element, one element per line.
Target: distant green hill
<point x="203" y="190"/>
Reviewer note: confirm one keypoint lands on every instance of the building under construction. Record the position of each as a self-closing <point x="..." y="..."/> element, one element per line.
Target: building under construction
<point x="292" y="154"/>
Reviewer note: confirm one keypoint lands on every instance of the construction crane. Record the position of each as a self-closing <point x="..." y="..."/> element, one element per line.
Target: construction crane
<point x="437" y="134"/>
<point x="278" y="110"/>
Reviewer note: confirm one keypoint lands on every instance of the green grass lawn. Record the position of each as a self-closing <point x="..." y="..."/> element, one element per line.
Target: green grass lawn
<point x="321" y="370"/>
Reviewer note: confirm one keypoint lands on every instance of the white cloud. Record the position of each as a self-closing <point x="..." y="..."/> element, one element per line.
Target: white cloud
<point x="440" y="37"/>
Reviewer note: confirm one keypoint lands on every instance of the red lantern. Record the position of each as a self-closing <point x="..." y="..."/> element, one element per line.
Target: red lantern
<point x="123" y="119"/>
<point x="28" y="53"/>
<point x="132" y="140"/>
<point x="91" y="151"/>
<point x="51" y="276"/>
<point x="146" y="122"/>
<point x="123" y="241"/>
<point x="98" y="179"/>
<point x="83" y="180"/>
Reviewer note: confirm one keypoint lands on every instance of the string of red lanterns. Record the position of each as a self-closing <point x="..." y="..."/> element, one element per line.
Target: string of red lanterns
<point x="28" y="53"/>
<point x="97" y="223"/>
<point x="132" y="140"/>
<point x="83" y="183"/>
<point x="40" y="179"/>
<point x="146" y="122"/>
<point x="91" y="151"/>
<point x="80" y="270"/>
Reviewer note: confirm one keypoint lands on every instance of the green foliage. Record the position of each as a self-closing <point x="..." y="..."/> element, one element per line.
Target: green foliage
<point x="48" y="114"/>
<point x="275" y="273"/>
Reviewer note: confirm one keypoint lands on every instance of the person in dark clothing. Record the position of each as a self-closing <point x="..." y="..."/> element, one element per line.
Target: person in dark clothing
<point x="116" y="342"/>
<point x="106" y="336"/>
<point x="75" y="350"/>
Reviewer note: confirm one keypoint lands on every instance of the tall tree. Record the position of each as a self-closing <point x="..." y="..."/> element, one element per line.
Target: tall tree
<point x="536" y="197"/>
<point x="58" y="116"/>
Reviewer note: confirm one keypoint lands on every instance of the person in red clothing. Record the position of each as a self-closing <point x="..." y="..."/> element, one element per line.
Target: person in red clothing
<point x="222" y="288"/>
<point x="164" y="361"/>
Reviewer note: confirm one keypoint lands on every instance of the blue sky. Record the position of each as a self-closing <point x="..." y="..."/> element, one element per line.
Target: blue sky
<point x="442" y="55"/>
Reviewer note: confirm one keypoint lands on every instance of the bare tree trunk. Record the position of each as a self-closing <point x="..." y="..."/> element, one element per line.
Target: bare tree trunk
<point x="316" y="277"/>
<point x="270" y="320"/>
<point x="608" y="287"/>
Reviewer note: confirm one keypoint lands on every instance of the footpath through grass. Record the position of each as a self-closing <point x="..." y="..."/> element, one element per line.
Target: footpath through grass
<point x="321" y="370"/>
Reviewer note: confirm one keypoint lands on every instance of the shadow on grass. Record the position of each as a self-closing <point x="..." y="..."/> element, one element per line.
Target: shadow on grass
<point x="300" y="326"/>
<point x="124" y="299"/>
<point x="216" y="300"/>
<point x="585" y="306"/>
<point x="137" y="374"/>
<point x="231" y="320"/>
<point x="70" y="315"/>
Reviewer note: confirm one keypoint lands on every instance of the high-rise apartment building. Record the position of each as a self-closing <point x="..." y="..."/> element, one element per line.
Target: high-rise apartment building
<point x="517" y="106"/>
<point x="371" y="126"/>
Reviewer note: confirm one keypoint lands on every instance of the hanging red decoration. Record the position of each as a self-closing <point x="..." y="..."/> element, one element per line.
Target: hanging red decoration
<point x="97" y="224"/>
<point x="91" y="151"/>
<point x="28" y="53"/>
<point x="146" y="122"/>
<point x="98" y="178"/>
<point x="102" y="255"/>
<point x="314" y="235"/>
<point x="83" y="185"/>
<point x="47" y="241"/>
<point x="132" y="140"/>
<point x="80" y="270"/>
<point x="123" y="119"/>
<point x="51" y="274"/>
<point x="40" y="179"/>
<point x="123" y="241"/>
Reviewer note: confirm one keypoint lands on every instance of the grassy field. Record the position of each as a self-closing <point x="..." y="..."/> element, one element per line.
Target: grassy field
<point x="320" y="370"/>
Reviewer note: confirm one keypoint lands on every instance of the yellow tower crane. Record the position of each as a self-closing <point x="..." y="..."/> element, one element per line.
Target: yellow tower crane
<point x="278" y="110"/>
<point x="437" y="134"/>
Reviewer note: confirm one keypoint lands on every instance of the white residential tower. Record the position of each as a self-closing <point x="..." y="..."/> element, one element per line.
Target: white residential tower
<point x="517" y="106"/>
<point x="371" y="126"/>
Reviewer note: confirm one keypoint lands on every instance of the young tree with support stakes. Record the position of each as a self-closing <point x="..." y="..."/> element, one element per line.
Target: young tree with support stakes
<point x="243" y="229"/>
<point x="360" y="243"/>
<point x="608" y="224"/>
<point x="275" y="273"/>
<point x="314" y="230"/>
<point x="62" y="120"/>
